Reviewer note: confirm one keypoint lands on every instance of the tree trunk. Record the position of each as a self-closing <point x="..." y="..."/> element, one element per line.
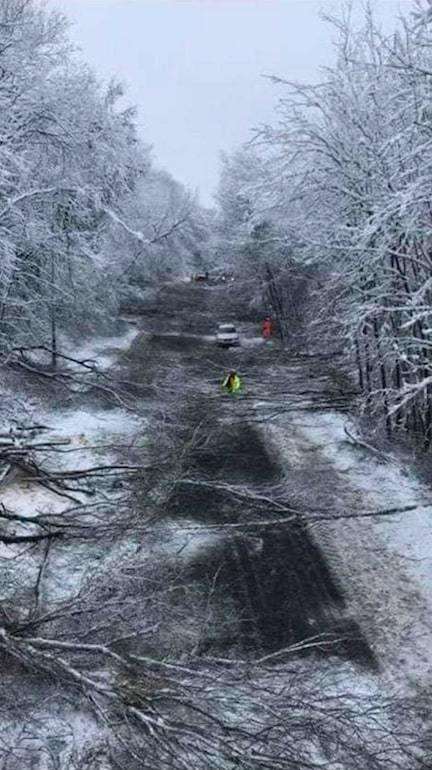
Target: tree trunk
<point x="53" y="319"/>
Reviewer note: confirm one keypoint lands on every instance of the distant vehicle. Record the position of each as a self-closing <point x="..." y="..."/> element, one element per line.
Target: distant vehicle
<point x="200" y="277"/>
<point x="227" y="336"/>
<point x="220" y="276"/>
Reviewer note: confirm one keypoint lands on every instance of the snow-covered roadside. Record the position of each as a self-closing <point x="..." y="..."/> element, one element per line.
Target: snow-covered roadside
<point x="103" y="351"/>
<point x="52" y="574"/>
<point x="384" y="563"/>
<point x="384" y="485"/>
<point x="92" y="437"/>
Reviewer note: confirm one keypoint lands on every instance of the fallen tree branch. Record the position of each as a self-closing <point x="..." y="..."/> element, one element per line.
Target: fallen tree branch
<point x="18" y="539"/>
<point x="307" y="516"/>
<point x="357" y="442"/>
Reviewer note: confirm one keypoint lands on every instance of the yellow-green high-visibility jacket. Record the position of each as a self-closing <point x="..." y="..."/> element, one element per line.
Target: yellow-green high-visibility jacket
<point x="234" y="386"/>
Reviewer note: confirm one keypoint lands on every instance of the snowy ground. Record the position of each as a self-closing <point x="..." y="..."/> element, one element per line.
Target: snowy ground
<point x="91" y="437"/>
<point x="103" y="351"/>
<point x="57" y="730"/>
<point x="385" y="562"/>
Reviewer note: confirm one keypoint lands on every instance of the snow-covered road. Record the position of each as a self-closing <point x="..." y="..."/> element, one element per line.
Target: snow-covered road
<point x="254" y="544"/>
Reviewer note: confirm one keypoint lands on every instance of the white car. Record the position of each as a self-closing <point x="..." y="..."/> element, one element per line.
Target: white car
<point x="227" y="335"/>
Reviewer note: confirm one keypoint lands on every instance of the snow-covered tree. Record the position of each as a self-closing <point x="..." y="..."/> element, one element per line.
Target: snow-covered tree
<point x="343" y="181"/>
<point x="82" y="210"/>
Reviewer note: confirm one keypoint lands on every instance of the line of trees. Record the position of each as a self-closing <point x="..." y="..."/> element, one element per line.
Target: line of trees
<point x="85" y="216"/>
<point x="342" y="182"/>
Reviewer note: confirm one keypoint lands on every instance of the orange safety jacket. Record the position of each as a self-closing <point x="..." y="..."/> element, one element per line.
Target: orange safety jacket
<point x="267" y="329"/>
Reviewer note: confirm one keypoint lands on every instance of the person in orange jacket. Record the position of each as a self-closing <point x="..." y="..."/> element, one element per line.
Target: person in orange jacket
<point x="267" y="328"/>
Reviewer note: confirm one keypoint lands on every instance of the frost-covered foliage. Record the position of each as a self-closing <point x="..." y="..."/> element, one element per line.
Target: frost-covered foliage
<point x="347" y="183"/>
<point x="253" y="239"/>
<point x="78" y="194"/>
<point x="166" y="228"/>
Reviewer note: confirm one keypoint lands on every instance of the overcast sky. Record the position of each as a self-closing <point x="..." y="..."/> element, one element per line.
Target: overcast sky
<point x="195" y="68"/>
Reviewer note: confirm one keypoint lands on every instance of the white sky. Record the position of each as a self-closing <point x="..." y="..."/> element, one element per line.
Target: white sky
<point x="194" y="67"/>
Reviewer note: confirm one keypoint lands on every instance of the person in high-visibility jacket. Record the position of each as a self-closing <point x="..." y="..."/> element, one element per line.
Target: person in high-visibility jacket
<point x="232" y="383"/>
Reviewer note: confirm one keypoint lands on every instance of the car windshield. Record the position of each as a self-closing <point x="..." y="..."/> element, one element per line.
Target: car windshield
<point x="227" y="328"/>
